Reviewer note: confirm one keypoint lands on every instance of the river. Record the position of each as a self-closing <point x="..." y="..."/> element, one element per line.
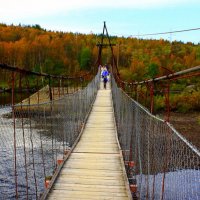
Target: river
<point x="33" y="152"/>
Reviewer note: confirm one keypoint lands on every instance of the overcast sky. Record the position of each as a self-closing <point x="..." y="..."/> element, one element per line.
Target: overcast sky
<point x="123" y="18"/>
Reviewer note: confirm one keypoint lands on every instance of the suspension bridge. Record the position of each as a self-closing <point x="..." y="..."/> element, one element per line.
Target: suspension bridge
<point x="85" y="142"/>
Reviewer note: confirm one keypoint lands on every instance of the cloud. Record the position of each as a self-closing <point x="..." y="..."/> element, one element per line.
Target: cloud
<point x="20" y="9"/>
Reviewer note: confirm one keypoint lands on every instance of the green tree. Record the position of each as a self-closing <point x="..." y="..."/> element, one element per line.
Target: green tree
<point x="85" y="59"/>
<point x="153" y="70"/>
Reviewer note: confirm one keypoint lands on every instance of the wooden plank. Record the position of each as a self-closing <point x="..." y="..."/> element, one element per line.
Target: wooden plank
<point x="100" y="157"/>
<point x="99" y="139"/>
<point x="98" y="146"/>
<point x="77" y="193"/>
<point x="86" y="150"/>
<point x="100" y="175"/>
<point x="90" y="188"/>
<point x="91" y="178"/>
<point x="91" y="165"/>
<point x="63" y="179"/>
<point x="103" y="123"/>
<point x="86" y="197"/>
<point x="93" y="159"/>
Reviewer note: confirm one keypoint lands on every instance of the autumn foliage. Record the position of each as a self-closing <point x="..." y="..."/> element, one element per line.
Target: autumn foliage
<point x="34" y="48"/>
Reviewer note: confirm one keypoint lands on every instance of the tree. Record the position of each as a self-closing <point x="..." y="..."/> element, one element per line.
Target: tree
<point x="153" y="70"/>
<point x="85" y="59"/>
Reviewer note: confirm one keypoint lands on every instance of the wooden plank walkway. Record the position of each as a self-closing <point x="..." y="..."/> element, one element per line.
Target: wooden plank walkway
<point x="94" y="169"/>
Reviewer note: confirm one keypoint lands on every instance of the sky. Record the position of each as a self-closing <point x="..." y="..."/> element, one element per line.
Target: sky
<point x="128" y="18"/>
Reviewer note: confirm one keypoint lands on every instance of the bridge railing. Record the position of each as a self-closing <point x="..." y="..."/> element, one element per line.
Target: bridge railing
<point x="36" y="137"/>
<point x="160" y="163"/>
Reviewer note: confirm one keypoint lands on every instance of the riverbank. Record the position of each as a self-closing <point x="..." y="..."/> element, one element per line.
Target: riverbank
<point x="188" y="124"/>
<point x="43" y="95"/>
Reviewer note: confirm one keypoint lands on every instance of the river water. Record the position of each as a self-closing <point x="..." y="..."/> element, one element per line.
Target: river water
<point x="33" y="151"/>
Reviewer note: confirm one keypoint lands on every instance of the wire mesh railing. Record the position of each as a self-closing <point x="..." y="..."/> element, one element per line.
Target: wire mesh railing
<point x="160" y="163"/>
<point x="36" y="137"/>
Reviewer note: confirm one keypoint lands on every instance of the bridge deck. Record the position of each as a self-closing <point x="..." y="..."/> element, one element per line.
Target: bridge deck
<point x="94" y="169"/>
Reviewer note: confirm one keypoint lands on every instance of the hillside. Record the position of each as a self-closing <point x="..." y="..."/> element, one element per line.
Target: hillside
<point x="36" y="49"/>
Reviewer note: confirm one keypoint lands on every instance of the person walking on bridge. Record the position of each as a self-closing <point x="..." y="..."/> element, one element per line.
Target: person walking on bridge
<point x="105" y="77"/>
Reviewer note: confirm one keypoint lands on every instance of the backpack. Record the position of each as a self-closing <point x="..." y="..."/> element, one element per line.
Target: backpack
<point x="105" y="73"/>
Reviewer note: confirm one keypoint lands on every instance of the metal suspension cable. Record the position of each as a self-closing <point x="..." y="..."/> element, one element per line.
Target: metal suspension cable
<point x="14" y="136"/>
<point x="171" y="76"/>
<point x="24" y="140"/>
<point x="175" y="75"/>
<point x="164" y="164"/>
<point x="168" y="32"/>
<point x="31" y="141"/>
<point x="28" y="72"/>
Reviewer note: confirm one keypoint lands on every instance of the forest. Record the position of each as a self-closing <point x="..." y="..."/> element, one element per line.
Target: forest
<point x="37" y="49"/>
<point x="34" y="48"/>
